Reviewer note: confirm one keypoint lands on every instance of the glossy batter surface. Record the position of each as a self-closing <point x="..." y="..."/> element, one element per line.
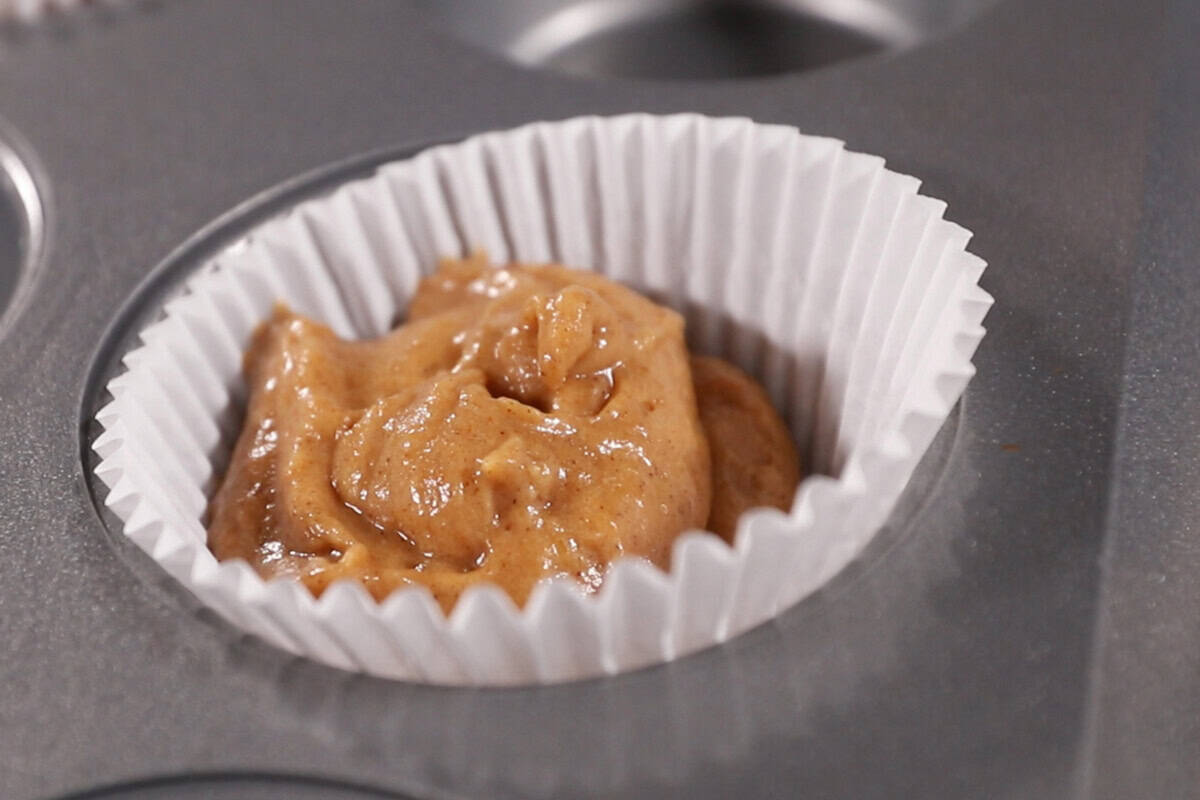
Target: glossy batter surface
<point x="525" y="422"/>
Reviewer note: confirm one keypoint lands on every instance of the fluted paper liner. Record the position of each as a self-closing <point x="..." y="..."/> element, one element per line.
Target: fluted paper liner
<point x="816" y="269"/>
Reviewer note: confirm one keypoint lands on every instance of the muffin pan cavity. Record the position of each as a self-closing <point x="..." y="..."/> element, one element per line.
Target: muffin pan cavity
<point x="248" y="787"/>
<point x="352" y="258"/>
<point x="696" y="39"/>
<point x="21" y="224"/>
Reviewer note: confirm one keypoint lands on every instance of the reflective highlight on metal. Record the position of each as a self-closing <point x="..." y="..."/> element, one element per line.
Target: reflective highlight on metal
<point x="696" y="39"/>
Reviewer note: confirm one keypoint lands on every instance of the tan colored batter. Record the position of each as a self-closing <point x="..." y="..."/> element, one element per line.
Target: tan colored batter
<point x="526" y="422"/>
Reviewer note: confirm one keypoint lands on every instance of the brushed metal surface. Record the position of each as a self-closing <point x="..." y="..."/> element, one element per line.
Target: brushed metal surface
<point x="1142" y="731"/>
<point x="21" y="225"/>
<point x="696" y="39"/>
<point x="958" y="658"/>
<point x="234" y="787"/>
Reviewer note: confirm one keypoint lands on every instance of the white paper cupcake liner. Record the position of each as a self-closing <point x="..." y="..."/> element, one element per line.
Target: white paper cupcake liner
<point x="816" y="269"/>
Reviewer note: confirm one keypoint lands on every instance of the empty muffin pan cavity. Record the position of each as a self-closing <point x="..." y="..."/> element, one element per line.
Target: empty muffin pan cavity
<point x="696" y="39"/>
<point x="241" y="787"/>
<point x="21" y="228"/>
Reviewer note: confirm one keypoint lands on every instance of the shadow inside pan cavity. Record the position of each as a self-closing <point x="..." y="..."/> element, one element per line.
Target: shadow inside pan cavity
<point x="20" y="228"/>
<point x="696" y="39"/>
<point x="233" y="787"/>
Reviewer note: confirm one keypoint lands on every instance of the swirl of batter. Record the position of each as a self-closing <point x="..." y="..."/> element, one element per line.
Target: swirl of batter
<point x="526" y="421"/>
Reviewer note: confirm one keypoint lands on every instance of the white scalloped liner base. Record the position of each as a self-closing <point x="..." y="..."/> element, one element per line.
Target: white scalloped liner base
<point x="816" y="269"/>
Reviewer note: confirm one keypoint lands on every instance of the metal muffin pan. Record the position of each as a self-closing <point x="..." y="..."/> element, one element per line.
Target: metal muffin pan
<point x="21" y="226"/>
<point x="1025" y="627"/>
<point x="687" y="39"/>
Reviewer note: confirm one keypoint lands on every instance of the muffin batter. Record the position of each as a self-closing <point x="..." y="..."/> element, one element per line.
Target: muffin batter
<point x="526" y="422"/>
